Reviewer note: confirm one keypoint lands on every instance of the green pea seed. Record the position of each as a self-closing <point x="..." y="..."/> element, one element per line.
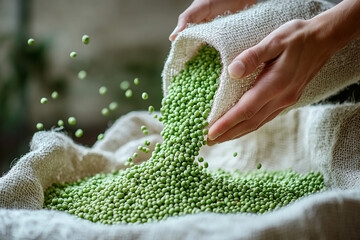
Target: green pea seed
<point x="128" y="93"/>
<point x="100" y="136"/>
<point x="82" y="74"/>
<point x="144" y="95"/>
<point x="73" y="54"/>
<point x="105" y="111"/>
<point x="103" y="90"/>
<point x="43" y="100"/>
<point x="54" y="95"/>
<point x="40" y="126"/>
<point x="151" y="109"/>
<point x="124" y="85"/>
<point x="85" y="39"/>
<point x="72" y="120"/>
<point x="113" y="106"/>
<point x="31" y="41"/>
<point x="60" y="123"/>
<point x="136" y="81"/>
<point x="79" y="132"/>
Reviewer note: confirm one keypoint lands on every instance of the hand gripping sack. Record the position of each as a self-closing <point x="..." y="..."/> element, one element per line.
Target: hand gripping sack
<point x="232" y="34"/>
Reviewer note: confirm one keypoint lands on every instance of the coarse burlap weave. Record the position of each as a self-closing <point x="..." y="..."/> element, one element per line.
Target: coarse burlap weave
<point x="321" y="138"/>
<point x="233" y="34"/>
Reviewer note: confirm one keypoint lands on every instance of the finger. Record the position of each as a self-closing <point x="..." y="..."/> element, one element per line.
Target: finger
<point x="270" y="93"/>
<point x="249" y="104"/>
<point x="195" y="13"/>
<point x="245" y="128"/>
<point x="247" y="61"/>
<point x="176" y="31"/>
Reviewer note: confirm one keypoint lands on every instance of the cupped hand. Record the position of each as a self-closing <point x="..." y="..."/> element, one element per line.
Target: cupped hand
<point x="291" y="56"/>
<point x="206" y="10"/>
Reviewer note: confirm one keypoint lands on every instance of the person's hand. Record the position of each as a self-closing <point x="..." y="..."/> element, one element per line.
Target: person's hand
<point x="206" y="10"/>
<point x="291" y="55"/>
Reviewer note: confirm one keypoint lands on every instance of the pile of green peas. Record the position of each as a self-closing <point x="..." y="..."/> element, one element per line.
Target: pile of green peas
<point x="175" y="181"/>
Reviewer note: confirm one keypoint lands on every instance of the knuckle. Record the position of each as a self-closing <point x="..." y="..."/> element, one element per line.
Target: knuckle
<point x="184" y="18"/>
<point x="246" y="114"/>
<point x="252" y="57"/>
<point x="274" y="42"/>
<point x="290" y="100"/>
<point x="297" y="23"/>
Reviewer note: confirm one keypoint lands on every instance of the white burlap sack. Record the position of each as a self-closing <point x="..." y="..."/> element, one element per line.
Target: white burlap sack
<point x="233" y="34"/>
<point x="320" y="138"/>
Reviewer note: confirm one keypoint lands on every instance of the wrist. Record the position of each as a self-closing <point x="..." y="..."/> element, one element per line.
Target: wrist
<point x="338" y="26"/>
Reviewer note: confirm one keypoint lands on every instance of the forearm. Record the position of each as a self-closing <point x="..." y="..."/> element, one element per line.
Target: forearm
<point x="339" y="25"/>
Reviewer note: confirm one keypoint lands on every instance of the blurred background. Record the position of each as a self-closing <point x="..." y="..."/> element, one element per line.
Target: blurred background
<point x="128" y="39"/>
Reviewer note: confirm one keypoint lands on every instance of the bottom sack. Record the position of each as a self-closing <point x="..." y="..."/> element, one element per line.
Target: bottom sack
<point x="321" y="138"/>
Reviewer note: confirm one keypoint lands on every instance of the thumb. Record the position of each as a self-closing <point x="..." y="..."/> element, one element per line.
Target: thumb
<point x="195" y="13"/>
<point x="247" y="61"/>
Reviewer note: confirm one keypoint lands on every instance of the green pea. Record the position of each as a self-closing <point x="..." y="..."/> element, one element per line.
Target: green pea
<point x="31" y="41"/>
<point x="103" y="90"/>
<point x="72" y="120"/>
<point x="100" y="136"/>
<point x="54" y="95"/>
<point x="43" y="100"/>
<point x="124" y="85"/>
<point x="82" y="74"/>
<point x="85" y="39"/>
<point x="144" y="95"/>
<point x="105" y="111"/>
<point x="113" y="106"/>
<point x="60" y="123"/>
<point x="235" y="154"/>
<point x="73" y="54"/>
<point x="39" y="126"/>
<point x="258" y="166"/>
<point x="79" y="132"/>
<point x="128" y="93"/>
<point x="136" y="81"/>
<point x="151" y="109"/>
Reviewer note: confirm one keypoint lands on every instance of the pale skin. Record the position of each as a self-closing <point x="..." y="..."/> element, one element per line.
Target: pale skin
<point x="292" y="55"/>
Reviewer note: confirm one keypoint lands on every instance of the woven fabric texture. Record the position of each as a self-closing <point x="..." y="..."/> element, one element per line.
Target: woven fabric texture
<point x="319" y="138"/>
<point x="231" y="35"/>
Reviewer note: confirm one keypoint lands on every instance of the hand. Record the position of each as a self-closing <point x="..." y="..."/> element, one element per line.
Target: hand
<point x="206" y="10"/>
<point x="291" y="56"/>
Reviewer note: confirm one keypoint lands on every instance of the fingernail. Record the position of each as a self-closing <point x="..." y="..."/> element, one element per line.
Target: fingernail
<point x="236" y="69"/>
<point x="173" y="33"/>
<point x="211" y="135"/>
